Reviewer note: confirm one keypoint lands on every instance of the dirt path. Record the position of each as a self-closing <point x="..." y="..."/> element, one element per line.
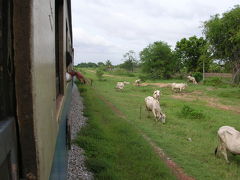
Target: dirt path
<point x="210" y="101"/>
<point x="177" y="170"/>
<point x="161" y="85"/>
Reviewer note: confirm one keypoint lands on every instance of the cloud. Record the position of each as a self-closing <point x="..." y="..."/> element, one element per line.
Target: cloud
<point x="106" y="29"/>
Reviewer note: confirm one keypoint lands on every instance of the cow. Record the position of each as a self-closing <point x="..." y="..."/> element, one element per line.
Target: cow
<point x="229" y="141"/>
<point x="153" y="105"/>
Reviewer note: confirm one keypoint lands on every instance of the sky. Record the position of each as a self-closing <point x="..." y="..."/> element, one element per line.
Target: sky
<point x="107" y="29"/>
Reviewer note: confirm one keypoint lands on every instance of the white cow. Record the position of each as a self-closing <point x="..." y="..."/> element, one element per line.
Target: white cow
<point x="120" y="85"/>
<point x="192" y="79"/>
<point x="229" y="141"/>
<point x="154" y="106"/>
<point x="178" y="86"/>
<point x="137" y="82"/>
<point x="156" y="95"/>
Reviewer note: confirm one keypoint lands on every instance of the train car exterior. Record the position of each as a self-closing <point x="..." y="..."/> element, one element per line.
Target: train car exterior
<point x="35" y="36"/>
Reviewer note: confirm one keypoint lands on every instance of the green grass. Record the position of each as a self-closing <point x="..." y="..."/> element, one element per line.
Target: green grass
<point x="114" y="148"/>
<point x="196" y="157"/>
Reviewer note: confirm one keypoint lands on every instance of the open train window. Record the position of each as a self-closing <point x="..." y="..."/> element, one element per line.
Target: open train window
<point x="8" y="139"/>
<point x="57" y="46"/>
<point x="7" y="105"/>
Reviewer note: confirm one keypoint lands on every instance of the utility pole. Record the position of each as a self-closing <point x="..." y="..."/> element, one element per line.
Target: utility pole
<point x="203" y="70"/>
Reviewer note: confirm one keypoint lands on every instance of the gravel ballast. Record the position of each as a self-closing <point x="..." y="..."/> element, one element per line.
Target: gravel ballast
<point x="76" y="166"/>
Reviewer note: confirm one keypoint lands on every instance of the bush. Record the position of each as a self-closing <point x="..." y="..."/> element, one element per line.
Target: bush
<point x="99" y="74"/>
<point x="143" y="77"/>
<point x="217" y="82"/>
<point x="198" y="76"/>
<point x="189" y="112"/>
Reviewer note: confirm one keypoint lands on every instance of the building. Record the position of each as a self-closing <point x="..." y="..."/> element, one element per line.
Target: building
<point x="35" y="37"/>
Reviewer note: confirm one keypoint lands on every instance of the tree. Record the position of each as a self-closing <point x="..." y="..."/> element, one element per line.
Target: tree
<point x="100" y="64"/>
<point x="108" y="64"/>
<point x="89" y="64"/>
<point x="130" y="60"/>
<point x="223" y="34"/>
<point x="192" y="53"/>
<point x="158" y="60"/>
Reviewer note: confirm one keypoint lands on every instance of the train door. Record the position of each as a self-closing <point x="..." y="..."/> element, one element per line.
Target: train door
<point x="8" y="134"/>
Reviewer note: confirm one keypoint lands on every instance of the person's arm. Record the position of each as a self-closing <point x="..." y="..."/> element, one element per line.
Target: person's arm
<point x="80" y="77"/>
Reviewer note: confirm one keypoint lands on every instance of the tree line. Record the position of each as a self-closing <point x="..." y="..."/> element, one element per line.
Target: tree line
<point x="217" y="51"/>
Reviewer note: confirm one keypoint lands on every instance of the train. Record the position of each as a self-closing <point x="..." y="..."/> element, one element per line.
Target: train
<point x="35" y="38"/>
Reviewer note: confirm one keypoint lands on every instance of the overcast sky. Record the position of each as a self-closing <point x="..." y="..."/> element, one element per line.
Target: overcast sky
<point x="106" y="29"/>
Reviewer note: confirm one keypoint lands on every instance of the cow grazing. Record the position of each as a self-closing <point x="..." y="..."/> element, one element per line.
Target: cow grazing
<point x="229" y="141"/>
<point x="153" y="105"/>
<point x="192" y="79"/>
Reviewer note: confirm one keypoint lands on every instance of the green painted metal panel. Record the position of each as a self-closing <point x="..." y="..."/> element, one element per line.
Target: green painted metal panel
<point x="59" y="167"/>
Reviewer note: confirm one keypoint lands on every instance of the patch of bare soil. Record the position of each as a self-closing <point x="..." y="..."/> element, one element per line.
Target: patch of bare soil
<point x="161" y="85"/>
<point x="210" y="101"/>
<point x="177" y="170"/>
<point x="183" y="97"/>
<point x="214" y="103"/>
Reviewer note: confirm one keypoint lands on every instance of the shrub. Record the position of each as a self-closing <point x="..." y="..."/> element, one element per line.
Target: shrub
<point x="189" y="112"/>
<point x="198" y="76"/>
<point x="143" y="77"/>
<point x="217" y="81"/>
<point x="213" y="81"/>
<point x="99" y="74"/>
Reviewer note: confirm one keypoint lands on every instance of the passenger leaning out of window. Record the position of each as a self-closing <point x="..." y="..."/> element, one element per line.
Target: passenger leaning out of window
<point x="70" y="73"/>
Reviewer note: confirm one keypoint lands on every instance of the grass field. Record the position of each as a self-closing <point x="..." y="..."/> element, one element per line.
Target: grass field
<point x="197" y="114"/>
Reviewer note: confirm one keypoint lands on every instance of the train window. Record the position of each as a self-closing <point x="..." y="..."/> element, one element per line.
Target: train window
<point x="7" y="93"/>
<point x="7" y="100"/>
<point x="57" y="46"/>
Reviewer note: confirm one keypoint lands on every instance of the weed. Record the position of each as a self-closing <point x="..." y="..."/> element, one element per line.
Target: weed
<point x="189" y="112"/>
